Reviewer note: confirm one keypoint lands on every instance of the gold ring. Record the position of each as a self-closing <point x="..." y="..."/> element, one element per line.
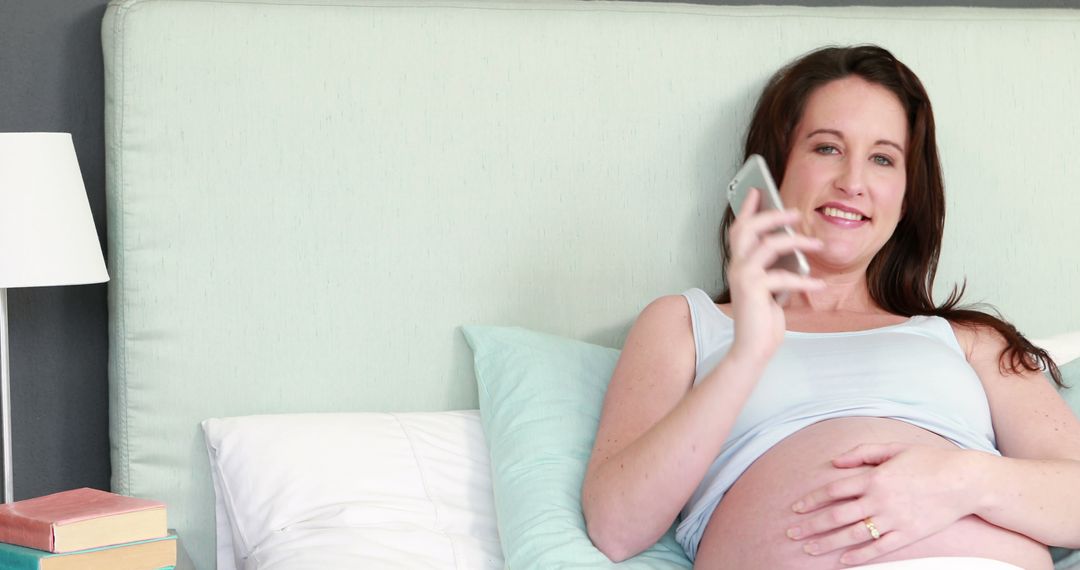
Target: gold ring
<point x="874" y="533"/>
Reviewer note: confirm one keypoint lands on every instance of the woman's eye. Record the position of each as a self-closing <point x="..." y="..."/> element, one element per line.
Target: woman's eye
<point x="883" y="160"/>
<point x="827" y="149"/>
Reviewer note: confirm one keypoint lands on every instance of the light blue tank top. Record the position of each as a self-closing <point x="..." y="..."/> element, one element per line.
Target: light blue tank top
<point x="914" y="372"/>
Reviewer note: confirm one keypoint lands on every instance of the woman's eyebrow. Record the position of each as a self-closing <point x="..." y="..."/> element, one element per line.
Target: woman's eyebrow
<point x="840" y="135"/>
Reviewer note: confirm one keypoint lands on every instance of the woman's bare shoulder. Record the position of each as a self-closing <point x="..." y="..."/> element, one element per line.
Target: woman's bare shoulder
<point x="669" y="305"/>
<point x="664" y="323"/>
<point x="660" y="344"/>
<point x="978" y="341"/>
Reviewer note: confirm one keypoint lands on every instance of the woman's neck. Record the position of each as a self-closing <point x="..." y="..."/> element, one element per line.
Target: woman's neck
<point x="847" y="292"/>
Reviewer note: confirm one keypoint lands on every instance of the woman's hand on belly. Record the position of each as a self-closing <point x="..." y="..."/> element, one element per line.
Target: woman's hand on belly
<point x="746" y="530"/>
<point x="910" y="492"/>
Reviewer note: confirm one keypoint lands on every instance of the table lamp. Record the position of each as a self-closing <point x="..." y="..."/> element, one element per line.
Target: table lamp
<point x="47" y="235"/>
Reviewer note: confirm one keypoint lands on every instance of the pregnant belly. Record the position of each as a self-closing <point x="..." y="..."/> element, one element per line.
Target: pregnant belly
<point x="746" y="530"/>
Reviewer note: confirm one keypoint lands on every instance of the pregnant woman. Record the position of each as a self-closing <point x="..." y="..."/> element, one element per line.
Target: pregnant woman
<point x="859" y="423"/>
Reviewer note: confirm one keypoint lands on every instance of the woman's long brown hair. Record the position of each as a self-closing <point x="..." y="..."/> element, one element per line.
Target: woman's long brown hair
<point x="901" y="275"/>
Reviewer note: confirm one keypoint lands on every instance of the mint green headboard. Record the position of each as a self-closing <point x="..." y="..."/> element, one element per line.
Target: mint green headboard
<point x="307" y="199"/>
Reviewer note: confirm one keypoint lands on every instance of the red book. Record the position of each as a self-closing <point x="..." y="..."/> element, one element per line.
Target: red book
<point x="80" y="519"/>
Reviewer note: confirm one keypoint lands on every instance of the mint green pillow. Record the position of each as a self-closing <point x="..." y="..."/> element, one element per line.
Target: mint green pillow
<point x="1070" y="374"/>
<point x="540" y="400"/>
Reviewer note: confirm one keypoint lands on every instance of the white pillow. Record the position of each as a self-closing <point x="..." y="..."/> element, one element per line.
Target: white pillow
<point x="1063" y="348"/>
<point x="408" y="490"/>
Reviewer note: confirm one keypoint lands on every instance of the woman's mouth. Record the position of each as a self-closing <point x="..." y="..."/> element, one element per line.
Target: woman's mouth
<point x="842" y="218"/>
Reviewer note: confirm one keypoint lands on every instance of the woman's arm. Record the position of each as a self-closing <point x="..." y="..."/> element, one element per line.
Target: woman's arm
<point x="1033" y="488"/>
<point x="915" y="491"/>
<point x="657" y="436"/>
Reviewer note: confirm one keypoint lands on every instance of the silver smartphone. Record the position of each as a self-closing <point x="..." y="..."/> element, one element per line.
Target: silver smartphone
<point x="755" y="174"/>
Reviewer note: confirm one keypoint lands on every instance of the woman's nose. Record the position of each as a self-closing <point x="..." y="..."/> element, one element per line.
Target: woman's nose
<point x="851" y="178"/>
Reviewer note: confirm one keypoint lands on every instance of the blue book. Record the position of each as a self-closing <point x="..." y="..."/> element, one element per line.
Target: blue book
<point x="152" y="554"/>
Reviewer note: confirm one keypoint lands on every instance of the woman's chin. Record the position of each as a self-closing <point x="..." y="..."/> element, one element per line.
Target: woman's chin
<point x="836" y="259"/>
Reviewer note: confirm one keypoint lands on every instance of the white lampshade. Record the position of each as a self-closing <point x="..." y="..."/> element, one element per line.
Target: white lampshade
<point x="47" y="234"/>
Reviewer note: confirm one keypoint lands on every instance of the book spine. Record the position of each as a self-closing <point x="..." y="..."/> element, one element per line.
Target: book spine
<point x="32" y="533"/>
<point x="18" y="559"/>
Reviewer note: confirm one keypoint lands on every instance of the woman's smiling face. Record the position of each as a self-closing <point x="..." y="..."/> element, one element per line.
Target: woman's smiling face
<point x="846" y="171"/>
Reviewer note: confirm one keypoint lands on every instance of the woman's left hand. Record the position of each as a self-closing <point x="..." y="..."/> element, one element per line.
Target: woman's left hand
<point x="911" y="492"/>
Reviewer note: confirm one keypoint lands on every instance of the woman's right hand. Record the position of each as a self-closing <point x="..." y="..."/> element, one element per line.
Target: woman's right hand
<point x="755" y="246"/>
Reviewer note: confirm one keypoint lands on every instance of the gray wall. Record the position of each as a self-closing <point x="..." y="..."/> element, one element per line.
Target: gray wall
<point x="51" y="80"/>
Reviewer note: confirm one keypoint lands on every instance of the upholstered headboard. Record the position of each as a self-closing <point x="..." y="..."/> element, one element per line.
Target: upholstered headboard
<point x="307" y="198"/>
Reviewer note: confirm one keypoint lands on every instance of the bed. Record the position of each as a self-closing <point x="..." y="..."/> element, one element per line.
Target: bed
<point x="319" y="209"/>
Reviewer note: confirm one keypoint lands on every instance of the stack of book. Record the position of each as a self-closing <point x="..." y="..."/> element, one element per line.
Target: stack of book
<point x="85" y="529"/>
